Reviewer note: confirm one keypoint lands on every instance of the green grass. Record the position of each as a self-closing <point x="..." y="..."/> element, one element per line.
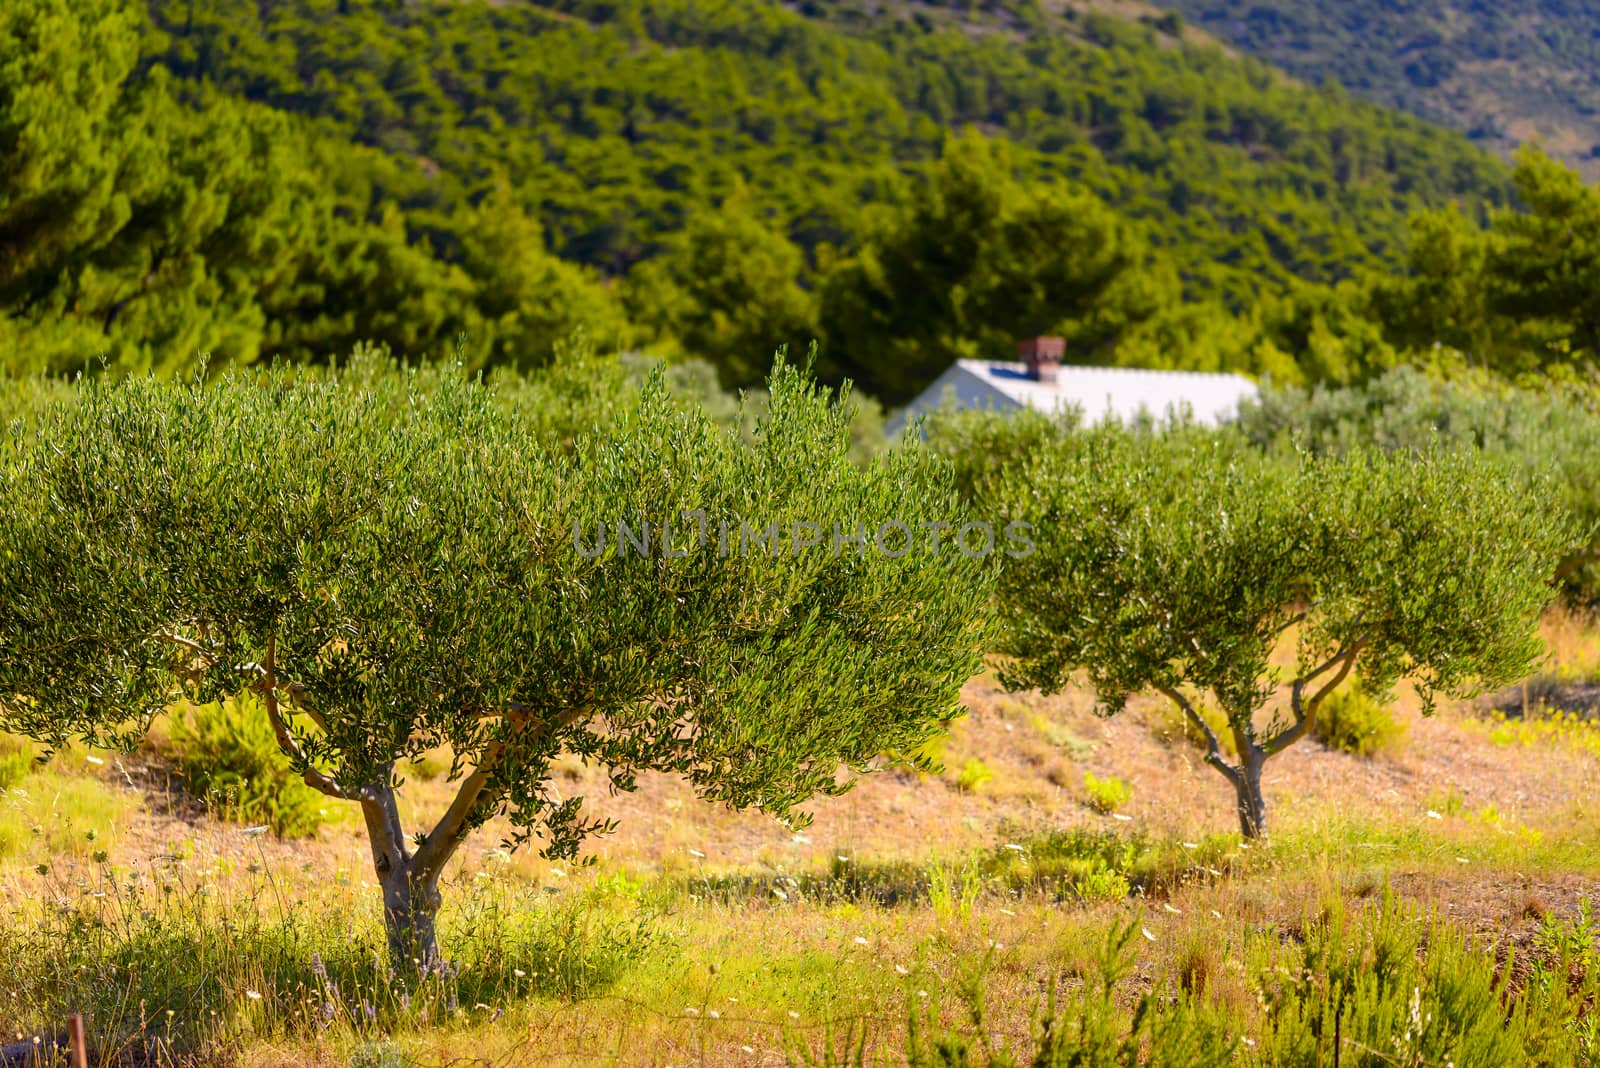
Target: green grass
<point x="48" y="811"/>
<point x="201" y="966"/>
<point x="1105" y="795"/>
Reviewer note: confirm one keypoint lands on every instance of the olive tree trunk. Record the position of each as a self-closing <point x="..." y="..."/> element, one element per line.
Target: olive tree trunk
<point x="1247" y="785"/>
<point x="410" y="890"/>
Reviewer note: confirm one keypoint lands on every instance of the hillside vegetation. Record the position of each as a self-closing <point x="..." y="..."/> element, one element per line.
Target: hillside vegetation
<point x="704" y="178"/>
<point x="1506" y="74"/>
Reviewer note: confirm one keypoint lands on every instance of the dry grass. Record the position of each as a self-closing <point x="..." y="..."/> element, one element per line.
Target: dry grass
<point x="1497" y="831"/>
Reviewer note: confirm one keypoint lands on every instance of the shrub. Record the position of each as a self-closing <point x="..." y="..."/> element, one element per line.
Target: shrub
<point x="16" y="760"/>
<point x="1353" y="722"/>
<point x="974" y="773"/>
<point x="1081" y="863"/>
<point x="230" y="759"/>
<point x="1106" y="795"/>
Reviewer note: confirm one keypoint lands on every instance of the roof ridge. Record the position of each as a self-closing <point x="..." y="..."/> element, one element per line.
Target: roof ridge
<point x="1069" y="367"/>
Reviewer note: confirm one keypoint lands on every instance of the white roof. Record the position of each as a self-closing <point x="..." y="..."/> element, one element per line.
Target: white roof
<point x="1118" y="392"/>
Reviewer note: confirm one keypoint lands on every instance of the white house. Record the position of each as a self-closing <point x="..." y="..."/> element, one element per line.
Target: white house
<point x="1039" y="380"/>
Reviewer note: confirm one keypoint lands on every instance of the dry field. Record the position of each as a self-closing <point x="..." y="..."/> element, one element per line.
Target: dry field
<point x="701" y="936"/>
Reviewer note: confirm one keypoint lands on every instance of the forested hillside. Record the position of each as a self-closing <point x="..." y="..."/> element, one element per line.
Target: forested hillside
<point x="905" y="185"/>
<point x="1507" y="74"/>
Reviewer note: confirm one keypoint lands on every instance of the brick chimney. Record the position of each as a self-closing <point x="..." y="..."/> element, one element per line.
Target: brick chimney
<point x="1043" y="356"/>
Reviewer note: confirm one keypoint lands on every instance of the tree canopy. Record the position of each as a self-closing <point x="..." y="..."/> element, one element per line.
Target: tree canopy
<point x="1180" y="563"/>
<point x="393" y="562"/>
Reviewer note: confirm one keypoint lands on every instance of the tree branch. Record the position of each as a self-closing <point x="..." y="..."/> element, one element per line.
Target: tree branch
<point x="1303" y="709"/>
<point x="452" y="827"/>
<point x="1213" y="744"/>
<point x="189" y="644"/>
<point x="268" y="689"/>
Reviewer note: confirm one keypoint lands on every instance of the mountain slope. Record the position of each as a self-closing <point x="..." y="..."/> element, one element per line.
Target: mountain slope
<point x="625" y="117"/>
<point x="704" y="177"/>
<point x="1507" y="74"/>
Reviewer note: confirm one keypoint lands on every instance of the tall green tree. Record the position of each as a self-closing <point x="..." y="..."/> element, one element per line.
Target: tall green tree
<point x="972" y="261"/>
<point x="1545" y="268"/>
<point x="529" y="300"/>
<point x="392" y="568"/>
<point x="727" y="290"/>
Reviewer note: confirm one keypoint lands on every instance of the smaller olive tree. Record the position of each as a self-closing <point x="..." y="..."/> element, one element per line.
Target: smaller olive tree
<point x="394" y="562"/>
<point x="1184" y="562"/>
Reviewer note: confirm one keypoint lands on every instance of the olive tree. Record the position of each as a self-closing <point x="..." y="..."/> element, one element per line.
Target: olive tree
<point x="392" y="568"/>
<point x="1189" y="564"/>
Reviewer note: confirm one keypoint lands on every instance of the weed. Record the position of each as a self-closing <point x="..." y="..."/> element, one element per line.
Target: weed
<point x="230" y="758"/>
<point x="1105" y="795"/>
<point x="974" y="774"/>
<point x="1353" y="722"/>
<point x="17" y="759"/>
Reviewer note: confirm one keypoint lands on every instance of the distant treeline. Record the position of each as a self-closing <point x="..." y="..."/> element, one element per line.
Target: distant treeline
<point x="243" y="181"/>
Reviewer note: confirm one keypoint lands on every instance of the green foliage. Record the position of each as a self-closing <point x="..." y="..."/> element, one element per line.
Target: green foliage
<point x="290" y="180"/>
<point x="1176" y="562"/>
<point x="1105" y="795"/>
<point x="1092" y="1026"/>
<point x="973" y="775"/>
<point x="1391" y="979"/>
<point x="230" y="759"/>
<point x="17" y="759"/>
<point x="974" y="261"/>
<point x="410" y="561"/>
<point x="1546" y="432"/>
<point x="727" y="289"/>
<point x="1351" y="721"/>
<point x="989" y="449"/>
<point x="1084" y="864"/>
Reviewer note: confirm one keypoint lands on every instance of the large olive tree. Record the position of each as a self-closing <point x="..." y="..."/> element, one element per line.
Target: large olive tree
<point x="1185" y="563"/>
<point x="392" y="568"/>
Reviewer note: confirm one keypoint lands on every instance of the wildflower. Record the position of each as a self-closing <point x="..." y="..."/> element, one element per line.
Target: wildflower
<point x="252" y="995"/>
